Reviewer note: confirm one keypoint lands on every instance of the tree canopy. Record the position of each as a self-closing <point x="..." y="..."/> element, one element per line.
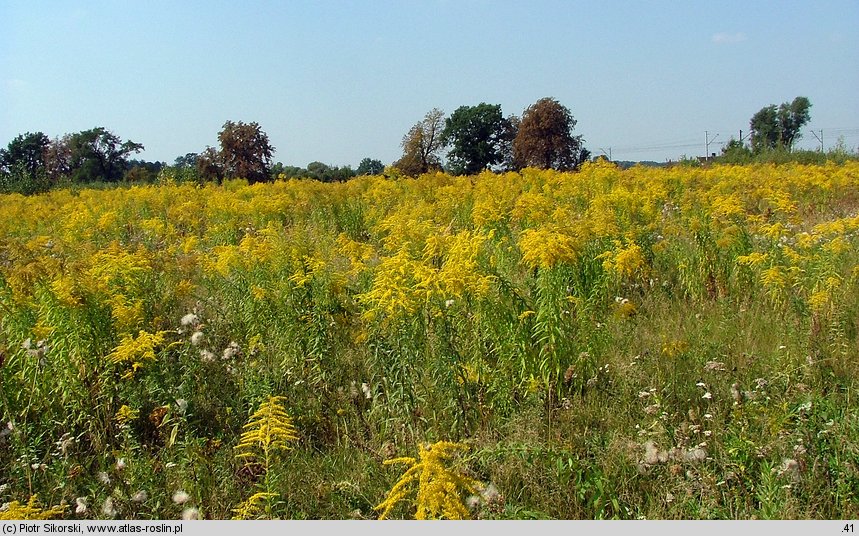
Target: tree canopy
<point x="774" y="127"/>
<point x="545" y="138"/>
<point x="245" y="152"/>
<point x="97" y="155"/>
<point x="476" y="135"/>
<point x="422" y="144"/>
<point x="26" y="152"/>
<point x="370" y="166"/>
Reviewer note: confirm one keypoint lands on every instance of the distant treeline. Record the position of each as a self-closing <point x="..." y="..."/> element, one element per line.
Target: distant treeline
<point x="472" y="139"/>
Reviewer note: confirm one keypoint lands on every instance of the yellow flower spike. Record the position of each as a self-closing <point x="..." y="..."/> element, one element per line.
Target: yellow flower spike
<point x="269" y="429"/>
<point x="436" y="489"/>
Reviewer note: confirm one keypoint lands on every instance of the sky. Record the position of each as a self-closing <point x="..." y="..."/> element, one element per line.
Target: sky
<point x="338" y="81"/>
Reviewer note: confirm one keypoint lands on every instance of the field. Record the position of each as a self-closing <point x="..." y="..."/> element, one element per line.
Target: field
<point x="674" y="343"/>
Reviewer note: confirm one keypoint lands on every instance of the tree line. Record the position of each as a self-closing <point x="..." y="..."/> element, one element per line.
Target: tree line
<point x="470" y="140"/>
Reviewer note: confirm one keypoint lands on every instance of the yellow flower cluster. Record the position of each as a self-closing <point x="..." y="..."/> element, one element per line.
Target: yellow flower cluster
<point x="437" y="490"/>
<point x="379" y="249"/>
<point x="31" y="510"/>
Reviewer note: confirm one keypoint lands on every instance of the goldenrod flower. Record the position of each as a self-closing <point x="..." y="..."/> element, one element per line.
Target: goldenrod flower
<point x="437" y="491"/>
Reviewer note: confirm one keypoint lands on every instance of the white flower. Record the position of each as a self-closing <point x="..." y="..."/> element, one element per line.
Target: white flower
<point x="490" y="494"/>
<point x="120" y="464"/>
<point x="197" y="338"/>
<point x="189" y="514"/>
<point x="3" y="488"/>
<point x="365" y="388"/>
<point x="231" y="351"/>
<point x="107" y="508"/>
<point x="190" y="319"/>
<point x="180" y="497"/>
<point x="103" y="478"/>
<point x="206" y="356"/>
<point x="140" y="496"/>
<point x="81" y="505"/>
<point x="707" y="395"/>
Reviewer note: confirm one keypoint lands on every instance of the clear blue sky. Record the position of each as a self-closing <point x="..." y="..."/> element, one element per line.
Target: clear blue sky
<point x="337" y="81"/>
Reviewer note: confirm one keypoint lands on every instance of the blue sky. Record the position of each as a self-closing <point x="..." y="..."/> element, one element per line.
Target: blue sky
<point x="337" y="81"/>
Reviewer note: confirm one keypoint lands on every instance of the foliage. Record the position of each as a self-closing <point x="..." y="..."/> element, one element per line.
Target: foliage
<point x="545" y="137"/>
<point x="774" y="127"/>
<point x="26" y="152"/>
<point x="476" y="135"/>
<point x="245" y="152"/>
<point x="98" y="155"/>
<point x="370" y="166"/>
<point x="422" y="144"/>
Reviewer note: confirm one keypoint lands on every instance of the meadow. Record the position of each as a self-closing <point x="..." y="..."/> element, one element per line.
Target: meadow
<point x="673" y="343"/>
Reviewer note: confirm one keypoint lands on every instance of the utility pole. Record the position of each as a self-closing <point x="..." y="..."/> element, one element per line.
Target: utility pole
<point x="707" y="142"/>
<point x="607" y="154"/>
<point x="820" y="139"/>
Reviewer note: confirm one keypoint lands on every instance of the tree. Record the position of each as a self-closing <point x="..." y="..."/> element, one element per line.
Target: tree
<point x="187" y="161"/>
<point x="774" y="127"/>
<point x="422" y="144"/>
<point x="370" y="166"/>
<point x="58" y="158"/>
<point x="476" y="136"/>
<point x="26" y="152"/>
<point x="511" y="130"/>
<point x="98" y="155"/>
<point x="141" y="171"/>
<point x="735" y="152"/>
<point x="209" y="165"/>
<point x="245" y="151"/>
<point x="545" y="138"/>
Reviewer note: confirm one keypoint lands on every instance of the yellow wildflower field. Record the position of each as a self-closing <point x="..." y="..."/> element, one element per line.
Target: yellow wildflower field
<point x="520" y="313"/>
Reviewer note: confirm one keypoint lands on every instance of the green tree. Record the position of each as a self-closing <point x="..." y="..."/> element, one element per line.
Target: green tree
<point x="187" y="161"/>
<point x="141" y="171"/>
<point x="422" y="144"/>
<point x="476" y="137"/>
<point x="370" y="166"/>
<point x="26" y="151"/>
<point x="545" y="138"/>
<point x="98" y="155"/>
<point x="773" y="127"/>
<point x="511" y="130"/>
<point x="245" y="151"/>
